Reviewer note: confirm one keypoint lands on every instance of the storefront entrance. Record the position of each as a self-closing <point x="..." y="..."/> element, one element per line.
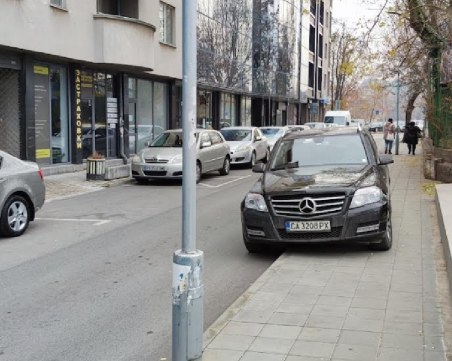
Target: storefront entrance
<point x="99" y="114"/>
<point x="51" y="114"/>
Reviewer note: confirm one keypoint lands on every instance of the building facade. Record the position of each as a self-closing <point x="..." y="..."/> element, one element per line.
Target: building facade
<point x="104" y="76"/>
<point x="262" y="62"/>
<point x="85" y="77"/>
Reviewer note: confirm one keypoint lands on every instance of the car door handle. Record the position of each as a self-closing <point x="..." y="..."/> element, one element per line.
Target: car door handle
<point x="2" y="180"/>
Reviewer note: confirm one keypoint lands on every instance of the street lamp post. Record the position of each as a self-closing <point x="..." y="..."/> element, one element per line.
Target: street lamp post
<point x="397" y="113"/>
<point x="187" y="286"/>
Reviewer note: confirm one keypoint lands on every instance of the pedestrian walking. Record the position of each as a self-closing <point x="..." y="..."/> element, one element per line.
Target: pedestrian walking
<point x="411" y="137"/>
<point x="389" y="130"/>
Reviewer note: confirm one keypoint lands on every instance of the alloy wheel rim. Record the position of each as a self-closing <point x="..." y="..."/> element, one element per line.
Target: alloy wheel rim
<point x="227" y="165"/>
<point x="17" y="216"/>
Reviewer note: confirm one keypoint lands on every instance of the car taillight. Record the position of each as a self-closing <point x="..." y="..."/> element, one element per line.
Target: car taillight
<point x="41" y="174"/>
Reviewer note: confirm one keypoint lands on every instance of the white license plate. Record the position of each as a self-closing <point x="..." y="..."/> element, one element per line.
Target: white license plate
<point x="308" y="226"/>
<point x="154" y="168"/>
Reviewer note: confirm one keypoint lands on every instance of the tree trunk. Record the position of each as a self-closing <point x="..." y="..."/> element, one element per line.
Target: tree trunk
<point x="410" y="106"/>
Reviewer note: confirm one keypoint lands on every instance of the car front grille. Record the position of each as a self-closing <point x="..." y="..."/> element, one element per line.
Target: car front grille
<point x="308" y="205"/>
<point x="307" y="236"/>
<point x="155" y="161"/>
<point x="154" y="173"/>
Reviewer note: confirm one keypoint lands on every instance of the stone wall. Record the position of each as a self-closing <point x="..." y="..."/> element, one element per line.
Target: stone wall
<point x="437" y="162"/>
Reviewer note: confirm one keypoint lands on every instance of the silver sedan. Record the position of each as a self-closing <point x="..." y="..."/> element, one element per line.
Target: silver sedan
<point x="163" y="158"/>
<point x="248" y="145"/>
<point x="22" y="194"/>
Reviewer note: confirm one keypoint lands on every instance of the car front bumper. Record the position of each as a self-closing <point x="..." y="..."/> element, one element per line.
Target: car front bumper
<point x="160" y="171"/>
<point x="264" y="228"/>
<point x="242" y="157"/>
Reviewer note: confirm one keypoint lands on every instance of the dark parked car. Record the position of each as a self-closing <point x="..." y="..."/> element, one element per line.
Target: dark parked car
<point x="320" y="186"/>
<point x="22" y="193"/>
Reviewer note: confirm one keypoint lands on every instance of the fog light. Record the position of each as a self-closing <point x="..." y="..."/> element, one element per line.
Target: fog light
<point x="255" y="232"/>
<point x="374" y="227"/>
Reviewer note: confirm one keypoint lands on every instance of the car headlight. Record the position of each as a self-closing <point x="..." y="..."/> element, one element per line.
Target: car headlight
<point x="136" y="159"/>
<point x="177" y="159"/>
<point x="365" y="196"/>
<point x="243" y="148"/>
<point x="255" y="201"/>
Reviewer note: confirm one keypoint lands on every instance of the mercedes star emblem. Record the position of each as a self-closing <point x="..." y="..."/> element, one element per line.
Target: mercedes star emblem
<point x="307" y="206"/>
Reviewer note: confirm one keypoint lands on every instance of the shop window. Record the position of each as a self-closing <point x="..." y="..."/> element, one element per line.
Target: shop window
<point x="126" y="8"/>
<point x="148" y="112"/>
<point x="51" y="114"/>
<point x="166" y="23"/>
<point x="204" y="109"/>
<point x="228" y="110"/>
<point x="245" y="111"/>
<point x="58" y="3"/>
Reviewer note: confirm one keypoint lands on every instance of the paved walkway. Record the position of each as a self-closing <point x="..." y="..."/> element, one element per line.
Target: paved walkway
<point x="349" y="303"/>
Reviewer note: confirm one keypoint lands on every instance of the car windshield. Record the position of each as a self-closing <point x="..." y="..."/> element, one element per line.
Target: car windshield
<point x="272" y="132"/>
<point x="168" y="139"/>
<point x="336" y="120"/>
<point x="236" y="135"/>
<point x="320" y="151"/>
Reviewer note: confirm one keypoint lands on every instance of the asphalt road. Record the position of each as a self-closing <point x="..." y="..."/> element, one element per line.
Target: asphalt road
<point x="91" y="278"/>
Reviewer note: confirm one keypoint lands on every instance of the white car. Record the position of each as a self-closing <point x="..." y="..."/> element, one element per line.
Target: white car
<point x="273" y="134"/>
<point x="248" y="145"/>
<point x="163" y="158"/>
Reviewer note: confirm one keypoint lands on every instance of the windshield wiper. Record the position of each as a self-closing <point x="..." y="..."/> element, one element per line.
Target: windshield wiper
<point x="286" y="166"/>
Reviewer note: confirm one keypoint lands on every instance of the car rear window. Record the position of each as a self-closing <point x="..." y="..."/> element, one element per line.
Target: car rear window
<point x="321" y="150"/>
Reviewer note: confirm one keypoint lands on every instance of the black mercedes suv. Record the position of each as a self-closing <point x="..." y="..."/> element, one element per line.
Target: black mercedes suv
<point x="323" y="185"/>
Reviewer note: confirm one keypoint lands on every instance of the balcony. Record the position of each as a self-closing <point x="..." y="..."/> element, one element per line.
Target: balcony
<point x="125" y="42"/>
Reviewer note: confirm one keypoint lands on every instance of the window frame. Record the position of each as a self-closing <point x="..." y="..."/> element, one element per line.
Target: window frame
<point x="163" y="34"/>
<point x="59" y="4"/>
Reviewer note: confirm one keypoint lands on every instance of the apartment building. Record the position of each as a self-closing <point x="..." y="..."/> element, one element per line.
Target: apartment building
<point x="262" y="62"/>
<point x="79" y="77"/>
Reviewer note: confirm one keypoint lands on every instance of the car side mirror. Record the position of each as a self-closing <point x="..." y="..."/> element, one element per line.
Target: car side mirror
<point x="206" y="144"/>
<point x="385" y="159"/>
<point x="257" y="139"/>
<point x="148" y="143"/>
<point x="259" y="168"/>
<point x="347" y="124"/>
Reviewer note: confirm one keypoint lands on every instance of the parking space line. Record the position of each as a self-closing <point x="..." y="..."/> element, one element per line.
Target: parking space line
<point x="225" y="183"/>
<point x="97" y="222"/>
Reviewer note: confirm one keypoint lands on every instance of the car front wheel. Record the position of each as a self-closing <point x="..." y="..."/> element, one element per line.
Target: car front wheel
<point x="14" y="218"/>
<point x="386" y="242"/>
<point x="253" y="160"/>
<point x="198" y="172"/>
<point x="226" y="166"/>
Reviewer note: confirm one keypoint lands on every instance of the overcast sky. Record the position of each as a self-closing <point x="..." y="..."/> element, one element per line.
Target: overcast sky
<point x="353" y="10"/>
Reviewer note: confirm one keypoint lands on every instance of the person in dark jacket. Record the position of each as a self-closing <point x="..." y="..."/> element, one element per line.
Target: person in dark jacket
<point x="411" y="136"/>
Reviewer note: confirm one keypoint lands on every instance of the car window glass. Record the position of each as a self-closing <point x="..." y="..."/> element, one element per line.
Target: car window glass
<point x="216" y="139"/>
<point x="236" y="135"/>
<point x="321" y="150"/>
<point x="373" y="145"/>
<point x="168" y="139"/>
<point x="205" y="138"/>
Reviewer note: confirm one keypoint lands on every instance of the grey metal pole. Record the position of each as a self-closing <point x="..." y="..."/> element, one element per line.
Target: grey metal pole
<point x="397" y="126"/>
<point x="187" y="287"/>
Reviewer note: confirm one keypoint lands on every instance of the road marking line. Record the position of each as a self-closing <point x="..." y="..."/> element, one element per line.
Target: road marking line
<point x="226" y="183"/>
<point x="97" y="222"/>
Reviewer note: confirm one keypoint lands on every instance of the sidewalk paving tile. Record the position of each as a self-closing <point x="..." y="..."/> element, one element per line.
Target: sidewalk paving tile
<point x="349" y="303"/>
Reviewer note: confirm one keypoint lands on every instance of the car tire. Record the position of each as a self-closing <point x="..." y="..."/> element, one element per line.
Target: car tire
<point x="198" y="172"/>
<point x="226" y="167"/>
<point x="15" y="216"/>
<point x="141" y="181"/>
<point x="253" y="160"/>
<point x="386" y="242"/>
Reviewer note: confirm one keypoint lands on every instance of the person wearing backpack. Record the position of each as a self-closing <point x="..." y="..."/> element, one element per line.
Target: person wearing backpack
<point x="389" y="135"/>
